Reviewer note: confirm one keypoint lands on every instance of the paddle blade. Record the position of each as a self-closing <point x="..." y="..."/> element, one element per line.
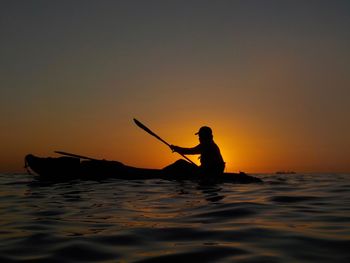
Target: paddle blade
<point x="143" y="127"/>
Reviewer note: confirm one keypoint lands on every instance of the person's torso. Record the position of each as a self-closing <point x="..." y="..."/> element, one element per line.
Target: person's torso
<point x="211" y="157"/>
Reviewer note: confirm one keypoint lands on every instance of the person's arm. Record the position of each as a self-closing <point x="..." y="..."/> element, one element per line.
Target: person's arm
<point x="193" y="150"/>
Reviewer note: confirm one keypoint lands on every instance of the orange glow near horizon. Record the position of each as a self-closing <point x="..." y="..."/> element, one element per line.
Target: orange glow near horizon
<point x="243" y="148"/>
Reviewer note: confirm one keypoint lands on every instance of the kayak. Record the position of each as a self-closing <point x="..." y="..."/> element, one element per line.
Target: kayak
<point x="68" y="168"/>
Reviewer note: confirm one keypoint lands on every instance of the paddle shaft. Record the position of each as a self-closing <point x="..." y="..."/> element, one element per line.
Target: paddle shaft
<point x="143" y="127"/>
<point x="76" y="155"/>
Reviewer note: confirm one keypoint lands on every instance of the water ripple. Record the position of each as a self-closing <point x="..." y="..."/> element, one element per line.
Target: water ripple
<point x="289" y="218"/>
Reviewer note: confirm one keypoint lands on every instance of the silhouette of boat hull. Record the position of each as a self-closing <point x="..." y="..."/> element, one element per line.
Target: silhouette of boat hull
<point x="68" y="168"/>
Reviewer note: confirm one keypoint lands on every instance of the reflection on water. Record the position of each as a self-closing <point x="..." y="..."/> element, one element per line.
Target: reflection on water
<point x="289" y="218"/>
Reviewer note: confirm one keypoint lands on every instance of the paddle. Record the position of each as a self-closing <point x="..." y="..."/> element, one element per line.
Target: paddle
<point x="143" y="127"/>
<point x="75" y="155"/>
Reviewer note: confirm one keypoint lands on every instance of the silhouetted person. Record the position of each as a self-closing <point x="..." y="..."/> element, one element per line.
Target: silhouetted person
<point x="211" y="160"/>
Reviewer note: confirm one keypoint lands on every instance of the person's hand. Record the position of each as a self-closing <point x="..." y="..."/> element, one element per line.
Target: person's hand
<point x="174" y="148"/>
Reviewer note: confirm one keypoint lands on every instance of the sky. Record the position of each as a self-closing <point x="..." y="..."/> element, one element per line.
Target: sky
<point x="271" y="78"/>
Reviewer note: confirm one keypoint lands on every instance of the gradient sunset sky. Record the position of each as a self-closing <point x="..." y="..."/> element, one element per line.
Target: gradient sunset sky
<point x="272" y="79"/>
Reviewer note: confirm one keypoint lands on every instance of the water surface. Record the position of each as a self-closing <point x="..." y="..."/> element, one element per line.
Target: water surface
<point x="288" y="218"/>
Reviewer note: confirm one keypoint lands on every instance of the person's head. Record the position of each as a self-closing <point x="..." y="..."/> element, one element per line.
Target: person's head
<point x="205" y="134"/>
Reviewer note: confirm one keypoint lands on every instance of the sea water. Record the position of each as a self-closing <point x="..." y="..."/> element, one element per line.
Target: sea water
<point x="288" y="218"/>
